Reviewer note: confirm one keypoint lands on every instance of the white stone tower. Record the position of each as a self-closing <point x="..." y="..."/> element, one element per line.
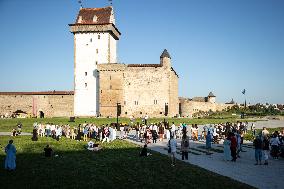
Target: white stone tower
<point x="211" y="98"/>
<point x="95" y="37"/>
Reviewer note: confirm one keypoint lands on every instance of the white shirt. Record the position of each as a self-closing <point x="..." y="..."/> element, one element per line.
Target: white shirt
<point x="155" y="128"/>
<point x="173" y="128"/>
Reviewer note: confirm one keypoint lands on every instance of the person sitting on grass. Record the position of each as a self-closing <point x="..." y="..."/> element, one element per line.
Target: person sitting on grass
<point x="48" y="152"/>
<point x="14" y="132"/>
<point x="93" y="147"/>
<point x="144" y="152"/>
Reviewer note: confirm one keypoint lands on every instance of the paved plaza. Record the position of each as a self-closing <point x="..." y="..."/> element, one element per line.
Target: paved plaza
<point x="244" y="170"/>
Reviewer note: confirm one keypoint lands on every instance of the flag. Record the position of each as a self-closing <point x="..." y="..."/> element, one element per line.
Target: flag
<point x="244" y="91"/>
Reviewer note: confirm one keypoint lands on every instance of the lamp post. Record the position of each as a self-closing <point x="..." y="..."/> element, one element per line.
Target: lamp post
<point x="118" y="112"/>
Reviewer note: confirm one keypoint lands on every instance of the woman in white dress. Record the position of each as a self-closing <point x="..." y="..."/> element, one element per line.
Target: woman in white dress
<point x="227" y="150"/>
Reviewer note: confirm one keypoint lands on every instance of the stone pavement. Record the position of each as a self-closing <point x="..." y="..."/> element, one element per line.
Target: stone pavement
<point x="244" y="170"/>
<point x="9" y="134"/>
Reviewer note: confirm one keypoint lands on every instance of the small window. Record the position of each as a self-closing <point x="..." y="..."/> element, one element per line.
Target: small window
<point x="140" y="112"/>
<point x="86" y="73"/>
<point x="97" y="51"/>
<point x="110" y="77"/>
<point x="155" y="102"/>
<point x="62" y="96"/>
<point x="110" y="87"/>
<point x="91" y="40"/>
<point x="80" y="19"/>
<point x="101" y="91"/>
<point x="161" y="112"/>
<point x="124" y="103"/>
<point x="99" y="36"/>
<point x="96" y="62"/>
<point x="95" y="18"/>
<point x="86" y="84"/>
<point x="125" y="113"/>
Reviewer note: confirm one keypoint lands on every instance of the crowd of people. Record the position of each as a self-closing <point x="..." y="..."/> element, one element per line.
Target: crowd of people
<point x="104" y="133"/>
<point x="230" y="134"/>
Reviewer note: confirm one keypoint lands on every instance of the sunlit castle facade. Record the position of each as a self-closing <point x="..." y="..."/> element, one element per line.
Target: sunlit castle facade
<point x="95" y="41"/>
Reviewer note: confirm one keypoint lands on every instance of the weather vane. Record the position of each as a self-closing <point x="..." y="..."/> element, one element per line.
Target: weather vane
<point x="80" y="2"/>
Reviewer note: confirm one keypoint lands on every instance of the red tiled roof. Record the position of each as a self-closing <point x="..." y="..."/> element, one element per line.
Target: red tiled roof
<point x="39" y="93"/>
<point x="103" y="15"/>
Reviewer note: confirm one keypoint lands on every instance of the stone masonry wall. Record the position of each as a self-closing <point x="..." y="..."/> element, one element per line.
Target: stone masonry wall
<point x="146" y="90"/>
<point x="111" y="88"/>
<point x="50" y="105"/>
<point x="190" y="107"/>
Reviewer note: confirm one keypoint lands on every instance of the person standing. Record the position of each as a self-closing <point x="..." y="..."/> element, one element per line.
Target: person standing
<point x="172" y="144"/>
<point x="10" y="160"/>
<point x="264" y="132"/>
<point x="184" y="146"/>
<point x="227" y="144"/>
<point x="233" y="147"/>
<point x="257" y="143"/>
<point x="265" y="148"/>
<point x="274" y="142"/>
<point x="106" y="134"/>
<point x="208" y="142"/>
<point x="173" y="130"/>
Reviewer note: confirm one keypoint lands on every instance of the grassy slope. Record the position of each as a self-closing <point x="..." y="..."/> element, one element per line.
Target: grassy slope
<point x="9" y="124"/>
<point x="117" y="165"/>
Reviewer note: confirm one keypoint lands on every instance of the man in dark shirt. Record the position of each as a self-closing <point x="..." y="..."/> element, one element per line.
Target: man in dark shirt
<point x="48" y="151"/>
<point x="257" y="143"/>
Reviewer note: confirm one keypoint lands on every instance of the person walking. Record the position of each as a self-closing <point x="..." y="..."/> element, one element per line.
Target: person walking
<point x="10" y="160"/>
<point x="184" y="146"/>
<point x="172" y="144"/>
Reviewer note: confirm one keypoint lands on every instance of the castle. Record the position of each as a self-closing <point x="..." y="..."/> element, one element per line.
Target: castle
<point x="101" y="83"/>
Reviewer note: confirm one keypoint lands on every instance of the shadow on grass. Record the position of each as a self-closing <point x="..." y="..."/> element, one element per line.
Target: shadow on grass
<point x="116" y="166"/>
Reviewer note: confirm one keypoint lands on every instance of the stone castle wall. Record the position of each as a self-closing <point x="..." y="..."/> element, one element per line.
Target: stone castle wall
<point x="50" y="105"/>
<point x="111" y="88"/>
<point x="189" y="107"/>
<point x="140" y="89"/>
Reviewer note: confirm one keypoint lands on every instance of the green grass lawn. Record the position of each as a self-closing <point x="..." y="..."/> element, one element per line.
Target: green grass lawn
<point x="9" y="124"/>
<point x="116" y="166"/>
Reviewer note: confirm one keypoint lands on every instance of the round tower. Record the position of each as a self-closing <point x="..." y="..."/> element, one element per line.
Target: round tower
<point x="165" y="59"/>
<point x="211" y="98"/>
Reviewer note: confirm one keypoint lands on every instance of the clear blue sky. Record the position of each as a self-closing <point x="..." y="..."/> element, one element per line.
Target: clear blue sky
<point x="222" y="46"/>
